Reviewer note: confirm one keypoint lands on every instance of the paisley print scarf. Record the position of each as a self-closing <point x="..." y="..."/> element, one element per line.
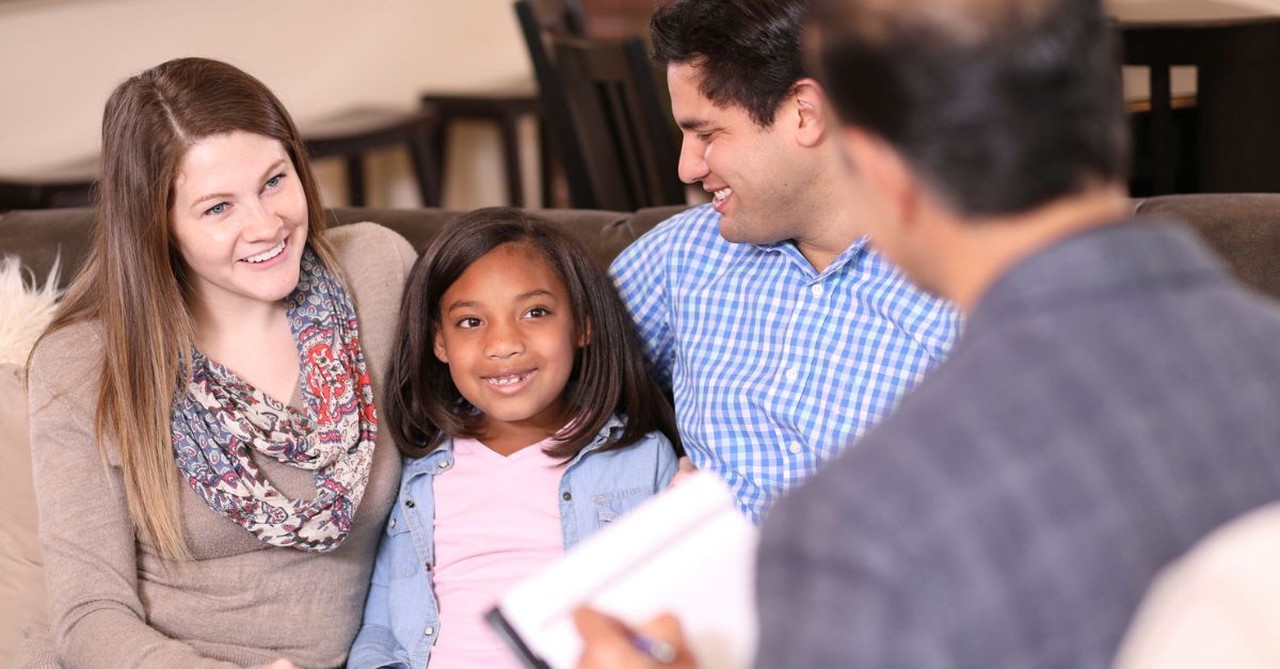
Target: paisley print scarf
<point x="220" y="420"/>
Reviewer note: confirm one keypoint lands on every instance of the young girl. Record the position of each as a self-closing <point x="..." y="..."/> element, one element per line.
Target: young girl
<point x="527" y="420"/>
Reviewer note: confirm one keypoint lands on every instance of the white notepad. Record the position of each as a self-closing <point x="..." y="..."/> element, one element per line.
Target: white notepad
<point x="688" y="551"/>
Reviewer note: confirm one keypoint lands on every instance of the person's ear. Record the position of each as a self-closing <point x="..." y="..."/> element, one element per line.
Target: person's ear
<point x="810" y="110"/>
<point x="442" y="353"/>
<point x="884" y="171"/>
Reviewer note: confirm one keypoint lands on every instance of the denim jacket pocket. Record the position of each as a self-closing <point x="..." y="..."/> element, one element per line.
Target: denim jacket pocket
<point x="398" y="543"/>
<point x="611" y="506"/>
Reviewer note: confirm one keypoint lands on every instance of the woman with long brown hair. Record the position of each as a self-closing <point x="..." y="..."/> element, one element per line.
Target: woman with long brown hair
<point x="209" y="469"/>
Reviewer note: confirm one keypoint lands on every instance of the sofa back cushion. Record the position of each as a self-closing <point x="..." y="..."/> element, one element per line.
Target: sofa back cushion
<point x="605" y="233"/>
<point x="38" y="237"/>
<point x="1244" y="228"/>
<point x="21" y="577"/>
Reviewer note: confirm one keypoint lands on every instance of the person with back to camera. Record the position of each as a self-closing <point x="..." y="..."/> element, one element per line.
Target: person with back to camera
<point x="528" y="420"/>
<point x="210" y="472"/>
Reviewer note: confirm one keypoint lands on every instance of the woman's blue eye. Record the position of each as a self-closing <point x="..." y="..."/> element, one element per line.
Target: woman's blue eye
<point x="275" y="180"/>
<point x="216" y="209"/>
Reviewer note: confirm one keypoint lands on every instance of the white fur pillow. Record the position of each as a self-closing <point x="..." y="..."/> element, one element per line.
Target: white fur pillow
<point x="26" y="308"/>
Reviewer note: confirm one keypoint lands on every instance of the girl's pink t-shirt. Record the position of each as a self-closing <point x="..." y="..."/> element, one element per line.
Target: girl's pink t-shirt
<point x="497" y="521"/>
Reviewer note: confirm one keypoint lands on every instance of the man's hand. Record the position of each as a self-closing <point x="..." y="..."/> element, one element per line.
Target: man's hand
<point x="684" y="469"/>
<point x="279" y="664"/>
<point x="609" y="644"/>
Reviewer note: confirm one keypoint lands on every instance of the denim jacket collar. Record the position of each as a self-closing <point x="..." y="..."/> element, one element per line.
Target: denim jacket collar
<point x="441" y="459"/>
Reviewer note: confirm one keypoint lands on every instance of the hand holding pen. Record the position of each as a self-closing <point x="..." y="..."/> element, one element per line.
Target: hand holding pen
<point x="609" y="644"/>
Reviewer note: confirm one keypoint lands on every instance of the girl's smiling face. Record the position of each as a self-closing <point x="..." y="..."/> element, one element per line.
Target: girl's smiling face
<point x="508" y="336"/>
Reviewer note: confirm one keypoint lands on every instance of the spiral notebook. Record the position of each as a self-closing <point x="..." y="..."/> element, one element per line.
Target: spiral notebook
<point x="688" y="551"/>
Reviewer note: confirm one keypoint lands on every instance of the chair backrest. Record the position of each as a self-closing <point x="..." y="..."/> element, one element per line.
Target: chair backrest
<point x="561" y="17"/>
<point x="621" y="120"/>
<point x="539" y="20"/>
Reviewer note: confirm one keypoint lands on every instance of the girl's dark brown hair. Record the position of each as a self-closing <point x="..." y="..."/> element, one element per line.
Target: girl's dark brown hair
<point x="423" y="405"/>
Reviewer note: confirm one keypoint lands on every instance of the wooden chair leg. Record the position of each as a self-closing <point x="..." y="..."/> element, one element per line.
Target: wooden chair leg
<point x="1164" y="161"/>
<point x="355" y="180"/>
<point x="440" y="147"/>
<point x="509" y="126"/>
<point x="425" y="168"/>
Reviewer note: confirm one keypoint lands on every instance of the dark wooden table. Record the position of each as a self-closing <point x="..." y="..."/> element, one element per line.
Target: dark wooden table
<point x="1236" y="53"/>
<point x="66" y="185"/>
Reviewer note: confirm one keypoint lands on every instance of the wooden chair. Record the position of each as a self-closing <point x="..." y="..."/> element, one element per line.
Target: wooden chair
<point x="621" y="122"/>
<point x="349" y="135"/>
<point x="68" y="185"/>
<point x="539" y="20"/>
<point x="352" y="134"/>
<point x="1237" y="60"/>
<point x="503" y="108"/>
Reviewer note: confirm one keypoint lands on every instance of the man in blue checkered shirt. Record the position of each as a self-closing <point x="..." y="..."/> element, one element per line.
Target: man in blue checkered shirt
<point x="782" y="334"/>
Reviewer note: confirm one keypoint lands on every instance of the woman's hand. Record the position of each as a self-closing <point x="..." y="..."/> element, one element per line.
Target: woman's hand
<point x="610" y="644"/>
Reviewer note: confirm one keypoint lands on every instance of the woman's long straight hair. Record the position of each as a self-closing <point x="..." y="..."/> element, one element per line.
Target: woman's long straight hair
<point x="135" y="283"/>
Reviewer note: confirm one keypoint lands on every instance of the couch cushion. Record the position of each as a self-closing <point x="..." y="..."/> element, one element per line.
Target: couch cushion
<point x="1244" y="228"/>
<point x="21" y="577"/>
<point x="38" y="237"/>
<point x="605" y="233"/>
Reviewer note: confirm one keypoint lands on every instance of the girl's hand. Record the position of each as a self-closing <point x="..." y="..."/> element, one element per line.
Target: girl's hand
<point x="607" y="643"/>
<point x="684" y="469"/>
<point x="279" y="664"/>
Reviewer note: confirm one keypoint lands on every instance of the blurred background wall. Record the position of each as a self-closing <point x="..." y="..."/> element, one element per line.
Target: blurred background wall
<point x="60" y="59"/>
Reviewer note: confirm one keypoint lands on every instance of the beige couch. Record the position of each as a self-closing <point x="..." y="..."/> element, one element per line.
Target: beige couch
<point x="1244" y="228"/>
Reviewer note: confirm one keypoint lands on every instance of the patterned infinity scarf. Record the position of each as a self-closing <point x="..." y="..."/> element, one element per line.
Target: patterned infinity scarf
<point x="221" y="419"/>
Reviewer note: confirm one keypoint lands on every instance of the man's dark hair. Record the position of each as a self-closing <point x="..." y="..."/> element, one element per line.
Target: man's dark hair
<point x="748" y="51"/>
<point x="1000" y="105"/>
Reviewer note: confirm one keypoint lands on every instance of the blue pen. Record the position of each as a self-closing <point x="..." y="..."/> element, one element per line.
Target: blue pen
<point x="658" y="650"/>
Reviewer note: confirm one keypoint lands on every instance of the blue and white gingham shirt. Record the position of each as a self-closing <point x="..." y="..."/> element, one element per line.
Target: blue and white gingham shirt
<point x="774" y="366"/>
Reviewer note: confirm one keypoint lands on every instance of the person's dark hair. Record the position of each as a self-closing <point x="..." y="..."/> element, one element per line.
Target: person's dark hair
<point x="609" y="376"/>
<point x="748" y="51"/>
<point x="1000" y="105"/>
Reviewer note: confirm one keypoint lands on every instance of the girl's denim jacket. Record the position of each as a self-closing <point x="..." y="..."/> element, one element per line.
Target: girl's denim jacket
<point x="401" y="618"/>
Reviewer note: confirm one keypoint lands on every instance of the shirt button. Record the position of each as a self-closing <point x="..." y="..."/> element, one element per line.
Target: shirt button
<point x="409" y="503"/>
<point x="426" y="564"/>
<point x="566" y="496"/>
<point x="793" y="374"/>
<point x="442" y="464"/>
<point x="816" y="289"/>
<point x="428" y="631"/>
<point x="392" y="522"/>
<point x="794" y="447"/>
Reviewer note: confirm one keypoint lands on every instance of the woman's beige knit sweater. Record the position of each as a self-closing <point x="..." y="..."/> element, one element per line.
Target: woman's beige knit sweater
<point x="115" y="603"/>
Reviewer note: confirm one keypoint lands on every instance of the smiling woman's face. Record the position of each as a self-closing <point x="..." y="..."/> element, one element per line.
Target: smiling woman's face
<point x="239" y="220"/>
